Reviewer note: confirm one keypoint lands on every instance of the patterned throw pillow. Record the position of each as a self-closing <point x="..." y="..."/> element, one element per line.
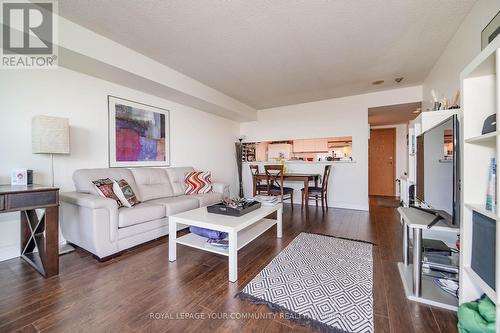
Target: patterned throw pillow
<point x="125" y="193"/>
<point x="105" y="188"/>
<point x="198" y="182"/>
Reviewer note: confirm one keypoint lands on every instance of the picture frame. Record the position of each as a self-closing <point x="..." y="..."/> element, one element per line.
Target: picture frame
<point x="138" y="134"/>
<point x="19" y="177"/>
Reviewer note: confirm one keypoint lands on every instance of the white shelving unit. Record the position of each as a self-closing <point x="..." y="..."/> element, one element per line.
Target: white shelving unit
<point x="480" y="86"/>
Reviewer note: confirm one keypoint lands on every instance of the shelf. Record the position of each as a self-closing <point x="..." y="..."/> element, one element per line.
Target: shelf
<point x="481" y="284"/>
<point x="431" y="294"/>
<point x="480" y="209"/>
<point x="245" y="236"/>
<point x="488" y="138"/>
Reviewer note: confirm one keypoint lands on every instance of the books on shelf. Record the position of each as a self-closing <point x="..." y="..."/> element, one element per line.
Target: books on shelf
<point x="439" y="262"/>
<point x="218" y="243"/>
<point x="491" y="198"/>
<point x="449" y="286"/>
<point x="267" y="200"/>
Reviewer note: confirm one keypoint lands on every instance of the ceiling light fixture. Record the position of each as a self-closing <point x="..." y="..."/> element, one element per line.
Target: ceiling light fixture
<point x="375" y="83"/>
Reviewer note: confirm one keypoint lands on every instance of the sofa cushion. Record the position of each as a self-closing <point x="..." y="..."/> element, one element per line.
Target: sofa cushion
<point x="140" y="213"/>
<point x="207" y="199"/>
<point x="105" y="188"/>
<point x="198" y="182"/>
<point x="153" y="183"/>
<point x="175" y="205"/>
<point x="125" y="193"/>
<point x="176" y="176"/>
<point x="83" y="178"/>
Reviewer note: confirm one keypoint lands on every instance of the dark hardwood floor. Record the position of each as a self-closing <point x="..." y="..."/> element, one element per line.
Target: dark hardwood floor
<point x="129" y="293"/>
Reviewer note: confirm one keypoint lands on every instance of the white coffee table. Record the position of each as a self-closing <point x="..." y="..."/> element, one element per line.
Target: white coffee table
<point x="241" y="230"/>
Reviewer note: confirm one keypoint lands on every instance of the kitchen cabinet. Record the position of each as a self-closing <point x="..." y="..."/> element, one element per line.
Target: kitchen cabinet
<point x="310" y="145"/>
<point x="261" y="151"/>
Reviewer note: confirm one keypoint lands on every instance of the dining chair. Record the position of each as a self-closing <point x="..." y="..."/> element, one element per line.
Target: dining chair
<point x="275" y="186"/>
<point x="258" y="187"/>
<point x="319" y="192"/>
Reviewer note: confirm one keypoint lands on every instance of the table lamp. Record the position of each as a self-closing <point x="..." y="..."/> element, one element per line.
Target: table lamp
<point x="50" y="135"/>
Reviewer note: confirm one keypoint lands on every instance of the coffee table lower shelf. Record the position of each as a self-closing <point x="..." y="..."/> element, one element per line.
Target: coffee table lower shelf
<point x="245" y="236"/>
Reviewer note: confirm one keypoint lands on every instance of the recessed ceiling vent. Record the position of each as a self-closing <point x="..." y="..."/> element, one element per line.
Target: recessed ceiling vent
<point x="399" y="79"/>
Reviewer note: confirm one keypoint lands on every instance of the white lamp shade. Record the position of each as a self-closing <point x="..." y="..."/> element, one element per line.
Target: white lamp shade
<point x="50" y="135"/>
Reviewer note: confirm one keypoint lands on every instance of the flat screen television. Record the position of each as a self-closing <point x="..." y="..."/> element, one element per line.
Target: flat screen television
<point x="438" y="173"/>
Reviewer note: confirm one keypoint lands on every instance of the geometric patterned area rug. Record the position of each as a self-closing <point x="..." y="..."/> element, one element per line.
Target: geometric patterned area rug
<point x="321" y="281"/>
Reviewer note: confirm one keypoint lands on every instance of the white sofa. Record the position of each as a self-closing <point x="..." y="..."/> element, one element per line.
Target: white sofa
<point x="97" y="225"/>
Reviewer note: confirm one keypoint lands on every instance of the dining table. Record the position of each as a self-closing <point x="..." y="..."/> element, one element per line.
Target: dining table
<point x="293" y="177"/>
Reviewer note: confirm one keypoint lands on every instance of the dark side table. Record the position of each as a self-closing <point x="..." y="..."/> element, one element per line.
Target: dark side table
<point x="41" y="234"/>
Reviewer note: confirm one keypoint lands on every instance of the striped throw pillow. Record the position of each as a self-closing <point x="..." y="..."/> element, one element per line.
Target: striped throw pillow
<point x="198" y="182"/>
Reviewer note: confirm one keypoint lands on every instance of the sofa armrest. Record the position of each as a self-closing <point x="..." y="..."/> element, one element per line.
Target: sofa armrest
<point x="88" y="200"/>
<point x="90" y="221"/>
<point x="220" y="188"/>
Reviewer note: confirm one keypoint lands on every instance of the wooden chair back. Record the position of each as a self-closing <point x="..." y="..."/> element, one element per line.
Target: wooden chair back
<point x="254" y="169"/>
<point x="274" y="176"/>
<point x="326" y="177"/>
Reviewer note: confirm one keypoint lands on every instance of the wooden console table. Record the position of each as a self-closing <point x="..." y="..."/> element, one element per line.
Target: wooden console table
<point x="37" y="233"/>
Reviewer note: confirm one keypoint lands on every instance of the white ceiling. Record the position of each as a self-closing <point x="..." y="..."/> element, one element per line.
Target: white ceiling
<point x="271" y="53"/>
<point x="393" y="114"/>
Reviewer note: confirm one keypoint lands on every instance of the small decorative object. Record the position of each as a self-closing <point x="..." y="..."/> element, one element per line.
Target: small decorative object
<point x="444" y="103"/>
<point x="491" y="191"/>
<point x="435" y="99"/>
<point x="138" y="134"/>
<point x="490" y="124"/>
<point x="50" y="135"/>
<point x="234" y="207"/>
<point x="456" y="100"/>
<point x="490" y="31"/>
<point x="19" y="177"/>
<point x="30" y="177"/>
<point x="281" y="159"/>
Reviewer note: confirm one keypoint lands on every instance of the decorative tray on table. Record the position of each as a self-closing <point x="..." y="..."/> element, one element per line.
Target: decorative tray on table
<point x="235" y="207"/>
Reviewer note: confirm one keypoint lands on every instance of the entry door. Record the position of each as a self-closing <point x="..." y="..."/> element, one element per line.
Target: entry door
<point x="381" y="166"/>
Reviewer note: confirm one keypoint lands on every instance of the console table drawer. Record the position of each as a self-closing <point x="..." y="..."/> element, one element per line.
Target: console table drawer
<point x="30" y="199"/>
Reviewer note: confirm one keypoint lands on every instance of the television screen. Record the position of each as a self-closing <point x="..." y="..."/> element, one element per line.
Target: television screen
<point x="437" y="168"/>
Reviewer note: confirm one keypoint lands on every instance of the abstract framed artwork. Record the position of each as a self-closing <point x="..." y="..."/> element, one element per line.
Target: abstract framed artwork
<point x="139" y="134"/>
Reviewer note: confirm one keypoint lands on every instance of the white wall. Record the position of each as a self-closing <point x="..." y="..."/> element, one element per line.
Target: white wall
<point x="346" y="116"/>
<point x="199" y="139"/>
<point x="401" y="157"/>
<point x="462" y="48"/>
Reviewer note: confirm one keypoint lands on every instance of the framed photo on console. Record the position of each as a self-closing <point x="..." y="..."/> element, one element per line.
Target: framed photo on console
<point x="139" y="134"/>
